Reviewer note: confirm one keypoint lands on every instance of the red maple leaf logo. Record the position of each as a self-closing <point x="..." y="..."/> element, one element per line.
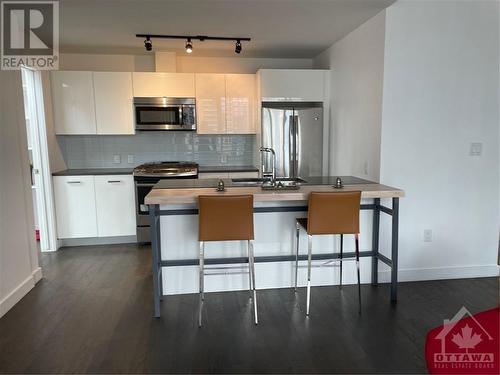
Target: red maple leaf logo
<point x="466" y="340"/>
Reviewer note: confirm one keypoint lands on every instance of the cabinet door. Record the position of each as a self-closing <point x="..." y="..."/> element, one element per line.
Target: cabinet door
<point x="240" y="104"/>
<point x="115" y="202"/>
<point x="73" y="102"/>
<point x="211" y="103"/>
<point x="113" y="103"/>
<point x="75" y="206"/>
<point x="292" y="85"/>
<point x="178" y="85"/>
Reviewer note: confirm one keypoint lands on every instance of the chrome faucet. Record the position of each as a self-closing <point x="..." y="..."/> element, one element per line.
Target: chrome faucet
<point x="273" y="170"/>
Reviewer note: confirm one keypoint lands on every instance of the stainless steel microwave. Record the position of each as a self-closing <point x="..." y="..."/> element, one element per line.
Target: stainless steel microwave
<point x="161" y="113"/>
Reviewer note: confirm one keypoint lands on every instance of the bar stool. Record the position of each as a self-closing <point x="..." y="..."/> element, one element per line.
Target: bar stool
<point x="226" y="218"/>
<point x="330" y="213"/>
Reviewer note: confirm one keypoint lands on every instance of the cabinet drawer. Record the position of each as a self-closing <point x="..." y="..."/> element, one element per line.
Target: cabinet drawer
<point x="115" y="205"/>
<point x="75" y="206"/>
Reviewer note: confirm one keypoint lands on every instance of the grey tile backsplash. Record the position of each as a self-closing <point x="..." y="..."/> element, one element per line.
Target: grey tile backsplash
<point x="98" y="151"/>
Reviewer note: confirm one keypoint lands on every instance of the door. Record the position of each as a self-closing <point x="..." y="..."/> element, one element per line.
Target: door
<point x="73" y="102"/>
<point x="240" y="104"/>
<point x="113" y="102"/>
<point x="75" y="206"/>
<point x="276" y="134"/>
<point x="308" y="153"/>
<point x="115" y="205"/>
<point x="211" y="103"/>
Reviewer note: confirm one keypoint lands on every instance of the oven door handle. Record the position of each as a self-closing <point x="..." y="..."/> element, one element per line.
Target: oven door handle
<point x="144" y="185"/>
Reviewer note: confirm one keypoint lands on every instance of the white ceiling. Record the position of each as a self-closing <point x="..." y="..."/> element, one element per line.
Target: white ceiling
<point x="278" y="28"/>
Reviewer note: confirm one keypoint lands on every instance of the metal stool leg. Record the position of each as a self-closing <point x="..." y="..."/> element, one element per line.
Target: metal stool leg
<point x="297" y="254"/>
<point x="341" y="257"/>
<point x="309" y="255"/>
<point x="249" y="271"/>
<point x="252" y="270"/>
<point x="201" y="274"/>
<point x="356" y="238"/>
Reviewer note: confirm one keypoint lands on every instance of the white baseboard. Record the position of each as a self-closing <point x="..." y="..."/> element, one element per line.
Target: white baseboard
<point x="442" y="273"/>
<point x="18" y="293"/>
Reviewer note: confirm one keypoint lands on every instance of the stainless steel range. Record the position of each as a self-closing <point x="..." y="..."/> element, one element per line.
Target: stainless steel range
<point x="145" y="177"/>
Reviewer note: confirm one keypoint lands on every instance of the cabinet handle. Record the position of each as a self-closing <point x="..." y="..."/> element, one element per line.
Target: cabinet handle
<point x="73" y="182"/>
<point x="114" y="181"/>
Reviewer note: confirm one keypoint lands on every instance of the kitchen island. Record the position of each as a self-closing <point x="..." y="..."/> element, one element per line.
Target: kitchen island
<point x="174" y="233"/>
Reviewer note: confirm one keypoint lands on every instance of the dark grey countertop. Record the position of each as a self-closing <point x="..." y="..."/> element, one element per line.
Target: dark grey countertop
<point x="93" y="171"/>
<point x="116" y="171"/>
<point x="227" y="168"/>
<point x="212" y="182"/>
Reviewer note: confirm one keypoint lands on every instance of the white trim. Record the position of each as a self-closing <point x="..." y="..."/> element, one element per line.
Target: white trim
<point x="442" y="273"/>
<point x="18" y="293"/>
<point x="46" y="174"/>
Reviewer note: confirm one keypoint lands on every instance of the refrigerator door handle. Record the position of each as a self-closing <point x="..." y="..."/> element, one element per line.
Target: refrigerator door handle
<point x="296" y="149"/>
<point x="291" y="145"/>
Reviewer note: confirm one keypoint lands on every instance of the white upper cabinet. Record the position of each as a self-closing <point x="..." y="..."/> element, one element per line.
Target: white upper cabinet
<point x="113" y="102"/>
<point x="211" y="103"/>
<point x="73" y="102"/>
<point x="293" y="85"/>
<point x="178" y="85"/>
<point x="115" y="205"/>
<point x="240" y="103"/>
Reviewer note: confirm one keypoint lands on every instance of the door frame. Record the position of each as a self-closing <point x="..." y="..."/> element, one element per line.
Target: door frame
<point x="45" y="205"/>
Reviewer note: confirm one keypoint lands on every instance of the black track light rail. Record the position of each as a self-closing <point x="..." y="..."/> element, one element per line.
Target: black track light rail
<point x="191" y="37"/>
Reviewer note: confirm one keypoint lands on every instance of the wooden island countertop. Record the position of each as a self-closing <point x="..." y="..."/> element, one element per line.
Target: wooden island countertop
<point x="188" y="195"/>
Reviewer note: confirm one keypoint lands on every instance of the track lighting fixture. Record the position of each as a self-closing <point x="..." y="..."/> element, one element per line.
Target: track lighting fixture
<point x="189" y="45"/>
<point x="148" y="44"/>
<point x="237" y="48"/>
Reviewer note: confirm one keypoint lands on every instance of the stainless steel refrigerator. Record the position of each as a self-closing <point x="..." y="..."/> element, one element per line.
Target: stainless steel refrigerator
<point x="295" y="132"/>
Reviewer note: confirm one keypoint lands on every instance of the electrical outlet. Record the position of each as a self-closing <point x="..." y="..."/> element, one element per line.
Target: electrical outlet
<point x="476" y="149"/>
<point x="130" y="159"/>
<point x="427" y="235"/>
<point x="117" y="159"/>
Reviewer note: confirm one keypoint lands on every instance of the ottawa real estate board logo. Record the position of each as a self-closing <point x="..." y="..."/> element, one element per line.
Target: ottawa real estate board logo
<point x="465" y="344"/>
<point x="30" y="35"/>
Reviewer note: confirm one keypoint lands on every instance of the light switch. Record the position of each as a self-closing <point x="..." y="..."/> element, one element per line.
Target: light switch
<point x="117" y="159"/>
<point x="476" y="149"/>
<point x="427" y="235"/>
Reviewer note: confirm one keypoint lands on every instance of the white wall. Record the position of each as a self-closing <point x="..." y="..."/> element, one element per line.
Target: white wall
<point x="185" y="64"/>
<point x="56" y="158"/>
<point x="193" y="64"/>
<point x="357" y="69"/>
<point x="441" y="94"/>
<point x="19" y="270"/>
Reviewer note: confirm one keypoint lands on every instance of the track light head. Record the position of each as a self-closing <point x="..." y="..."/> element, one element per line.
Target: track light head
<point x="237" y="48"/>
<point x="148" y="44"/>
<point x="189" y="46"/>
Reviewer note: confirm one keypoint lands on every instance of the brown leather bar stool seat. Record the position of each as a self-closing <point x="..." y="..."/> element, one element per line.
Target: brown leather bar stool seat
<point x="331" y="213"/>
<point x="226" y="218"/>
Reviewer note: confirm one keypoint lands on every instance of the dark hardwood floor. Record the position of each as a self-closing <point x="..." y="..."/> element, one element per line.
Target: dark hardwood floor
<point x="92" y="313"/>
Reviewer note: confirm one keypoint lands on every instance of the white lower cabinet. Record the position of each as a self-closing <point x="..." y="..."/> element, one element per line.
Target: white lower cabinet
<point x="115" y="205"/>
<point x="95" y="206"/>
<point x="75" y="206"/>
